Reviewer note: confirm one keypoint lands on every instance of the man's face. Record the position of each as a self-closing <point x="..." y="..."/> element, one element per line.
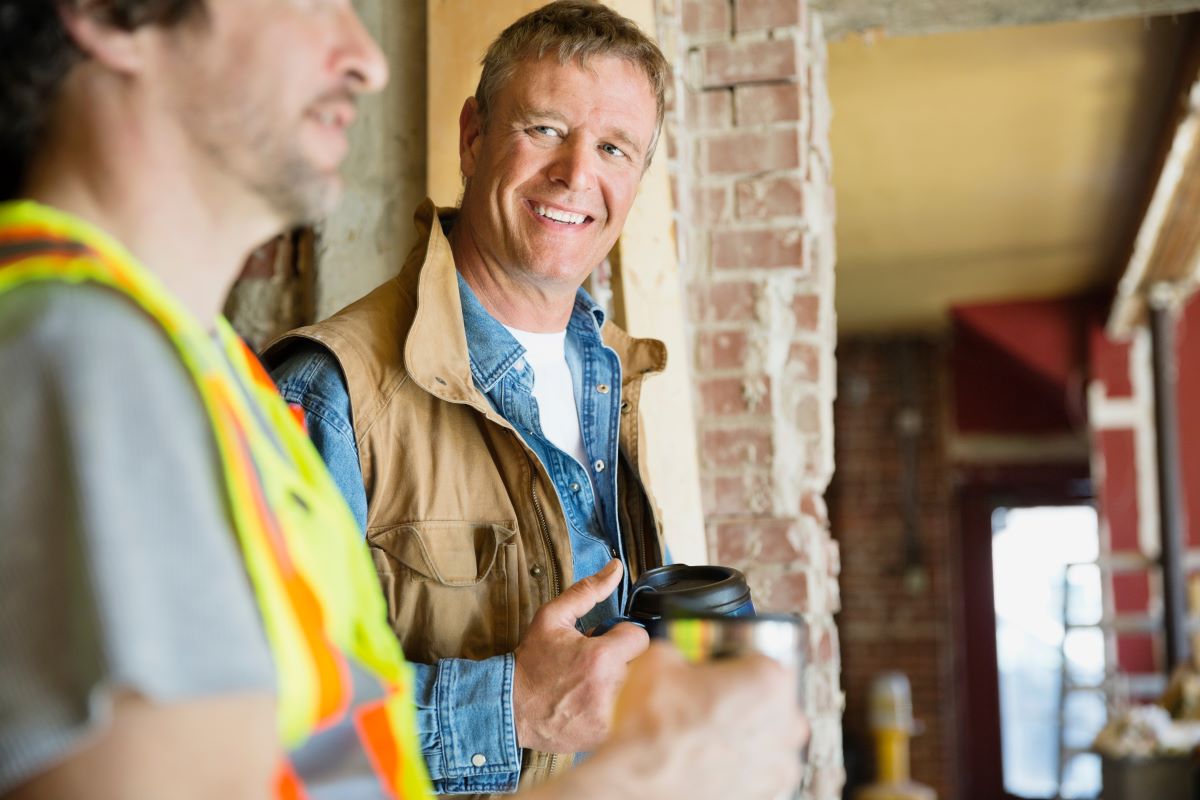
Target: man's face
<point x="264" y="91"/>
<point x="552" y="173"/>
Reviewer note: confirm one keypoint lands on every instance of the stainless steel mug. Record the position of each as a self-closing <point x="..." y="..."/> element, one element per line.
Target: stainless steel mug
<point x="783" y="637"/>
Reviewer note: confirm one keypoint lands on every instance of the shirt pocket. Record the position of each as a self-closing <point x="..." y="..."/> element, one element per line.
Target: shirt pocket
<point x="451" y="587"/>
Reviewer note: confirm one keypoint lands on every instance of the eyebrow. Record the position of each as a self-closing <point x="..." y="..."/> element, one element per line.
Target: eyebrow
<point x="619" y="135"/>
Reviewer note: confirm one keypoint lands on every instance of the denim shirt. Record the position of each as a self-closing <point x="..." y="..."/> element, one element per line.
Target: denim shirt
<point x="464" y="707"/>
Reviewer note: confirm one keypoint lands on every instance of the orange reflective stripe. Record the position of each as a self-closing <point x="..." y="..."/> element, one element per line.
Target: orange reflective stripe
<point x="333" y="674"/>
<point x="287" y="783"/>
<point x="374" y="726"/>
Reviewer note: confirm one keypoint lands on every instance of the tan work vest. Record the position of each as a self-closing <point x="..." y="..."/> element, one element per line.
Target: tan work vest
<point x="463" y="522"/>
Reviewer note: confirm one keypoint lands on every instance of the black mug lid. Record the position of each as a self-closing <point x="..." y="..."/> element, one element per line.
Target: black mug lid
<point x="682" y="589"/>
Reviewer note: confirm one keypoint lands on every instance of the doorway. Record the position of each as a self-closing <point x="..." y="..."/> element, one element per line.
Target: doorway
<point x="1033" y="657"/>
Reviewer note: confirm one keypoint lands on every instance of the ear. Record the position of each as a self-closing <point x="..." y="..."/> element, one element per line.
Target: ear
<point x="470" y="136"/>
<point x="88" y="24"/>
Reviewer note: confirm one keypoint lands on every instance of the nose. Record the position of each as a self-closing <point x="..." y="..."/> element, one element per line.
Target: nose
<point x="572" y="166"/>
<point x="361" y="59"/>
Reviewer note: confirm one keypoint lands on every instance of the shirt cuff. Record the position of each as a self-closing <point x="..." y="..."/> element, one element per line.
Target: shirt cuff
<point x="465" y="722"/>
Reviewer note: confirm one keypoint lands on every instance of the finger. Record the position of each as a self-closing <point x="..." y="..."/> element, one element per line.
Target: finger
<point x="581" y="596"/>
<point x="626" y="641"/>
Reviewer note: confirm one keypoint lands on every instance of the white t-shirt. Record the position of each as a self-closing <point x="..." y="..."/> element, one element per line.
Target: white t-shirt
<point x="554" y="390"/>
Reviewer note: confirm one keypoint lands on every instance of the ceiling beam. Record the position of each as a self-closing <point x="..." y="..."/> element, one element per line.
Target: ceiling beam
<point x="1164" y="265"/>
<point x="919" y="17"/>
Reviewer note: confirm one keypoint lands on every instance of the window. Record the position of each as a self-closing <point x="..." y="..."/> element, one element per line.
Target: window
<point x="1049" y="649"/>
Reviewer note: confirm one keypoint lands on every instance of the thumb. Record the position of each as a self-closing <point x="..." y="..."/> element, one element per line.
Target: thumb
<point x="580" y="597"/>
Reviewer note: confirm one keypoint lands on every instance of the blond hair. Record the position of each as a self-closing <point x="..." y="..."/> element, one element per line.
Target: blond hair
<point x="573" y="31"/>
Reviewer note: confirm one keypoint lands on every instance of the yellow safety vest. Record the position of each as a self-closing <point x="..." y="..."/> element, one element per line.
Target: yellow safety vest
<point x="336" y="660"/>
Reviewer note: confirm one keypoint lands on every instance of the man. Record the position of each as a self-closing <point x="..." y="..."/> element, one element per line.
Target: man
<point x="184" y="590"/>
<point x="487" y="348"/>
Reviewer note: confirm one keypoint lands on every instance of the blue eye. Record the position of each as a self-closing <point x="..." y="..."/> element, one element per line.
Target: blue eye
<point x="613" y="150"/>
<point x="545" y="130"/>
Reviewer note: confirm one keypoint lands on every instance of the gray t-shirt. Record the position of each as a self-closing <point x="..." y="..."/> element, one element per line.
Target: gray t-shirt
<point x="119" y="567"/>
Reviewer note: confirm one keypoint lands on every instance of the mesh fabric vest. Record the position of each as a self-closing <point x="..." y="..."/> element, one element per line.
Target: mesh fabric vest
<point x="338" y="665"/>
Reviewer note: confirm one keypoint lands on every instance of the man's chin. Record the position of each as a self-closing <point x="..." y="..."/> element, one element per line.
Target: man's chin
<point x="307" y="202"/>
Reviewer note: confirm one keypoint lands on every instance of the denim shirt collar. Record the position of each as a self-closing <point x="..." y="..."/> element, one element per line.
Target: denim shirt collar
<point x="493" y="350"/>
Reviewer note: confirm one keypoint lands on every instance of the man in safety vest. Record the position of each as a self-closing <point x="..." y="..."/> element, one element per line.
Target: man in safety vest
<point x="187" y="608"/>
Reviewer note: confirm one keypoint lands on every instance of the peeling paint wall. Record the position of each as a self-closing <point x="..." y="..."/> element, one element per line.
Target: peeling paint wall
<point x="366" y="239"/>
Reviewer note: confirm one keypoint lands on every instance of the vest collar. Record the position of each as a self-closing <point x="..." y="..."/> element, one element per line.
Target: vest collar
<point x="436" y="353"/>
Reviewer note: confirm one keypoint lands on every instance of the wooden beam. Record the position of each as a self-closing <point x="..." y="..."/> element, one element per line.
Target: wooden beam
<point x="919" y="17"/>
<point x="646" y="265"/>
<point x="1165" y="261"/>
<point x="459" y="33"/>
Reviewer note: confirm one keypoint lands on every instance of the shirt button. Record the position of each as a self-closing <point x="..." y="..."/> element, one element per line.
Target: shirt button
<point x="613" y="550"/>
<point x="624" y="406"/>
<point x="599" y="465"/>
<point x="536" y="570"/>
<point x="575" y="487"/>
<point x="478" y="760"/>
<point x="602" y="388"/>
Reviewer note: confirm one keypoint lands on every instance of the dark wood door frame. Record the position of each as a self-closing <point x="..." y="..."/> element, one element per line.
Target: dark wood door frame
<point x="980" y="493"/>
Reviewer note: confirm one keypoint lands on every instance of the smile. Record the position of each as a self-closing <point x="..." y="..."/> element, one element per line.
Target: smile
<point x="558" y="215"/>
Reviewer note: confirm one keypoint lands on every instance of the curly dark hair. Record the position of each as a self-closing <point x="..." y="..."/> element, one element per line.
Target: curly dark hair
<point x="37" y="52"/>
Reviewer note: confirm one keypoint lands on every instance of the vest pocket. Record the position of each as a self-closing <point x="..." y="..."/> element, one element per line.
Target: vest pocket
<point x="451" y="587"/>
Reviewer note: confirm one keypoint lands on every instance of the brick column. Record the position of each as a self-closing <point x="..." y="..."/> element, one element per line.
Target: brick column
<point x="748" y="138"/>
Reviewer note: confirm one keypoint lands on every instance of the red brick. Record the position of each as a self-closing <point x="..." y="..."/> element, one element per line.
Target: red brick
<point x="763" y="198"/>
<point x="711" y="205"/>
<point x="767" y="541"/>
<point x="754" y="15"/>
<point x="729" y="396"/>
<point x="733" y="63"/>
<point x="783" y="541"/>
<point x="736" y="448"/>
<point x="774" y="247"/>
<point x="724" y="301"/>
<point x="735" y="542"/>
<point x="710" y="110"/>
<point x="759" y="105"/>
<point x="742" y="151"/>
<point x="742" y="495"/>
<point x="721" y="350"/>
<point x="813" y="505"/>
<point x="790" y="593"/>
<point x="804" y="360"/>
<point x="705" y="17"/>
<point x="807" y="309"/>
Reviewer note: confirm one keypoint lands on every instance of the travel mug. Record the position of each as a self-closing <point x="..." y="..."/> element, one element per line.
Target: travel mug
<point x="783" y="637"/>
<point x="683" y="590"/>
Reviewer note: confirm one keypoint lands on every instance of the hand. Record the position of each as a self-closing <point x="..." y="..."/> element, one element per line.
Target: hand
<point x="707" y="731"/>
<point x="565" y="683"/>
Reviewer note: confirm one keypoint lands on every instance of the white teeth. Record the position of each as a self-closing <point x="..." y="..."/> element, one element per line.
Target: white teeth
<point x="560" y="216"/>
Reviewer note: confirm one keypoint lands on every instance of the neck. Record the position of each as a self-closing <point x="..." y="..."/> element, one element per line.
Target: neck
<point x="164" y="213"/>
<point x="516" y="302"/>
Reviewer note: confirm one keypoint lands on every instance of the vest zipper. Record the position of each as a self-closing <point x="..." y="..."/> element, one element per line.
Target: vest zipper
<point x="553" y="562"/>
<point x="541" y="515"/>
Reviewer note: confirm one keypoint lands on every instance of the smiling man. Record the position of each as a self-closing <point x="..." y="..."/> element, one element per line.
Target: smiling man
<point x="480" y="414"/>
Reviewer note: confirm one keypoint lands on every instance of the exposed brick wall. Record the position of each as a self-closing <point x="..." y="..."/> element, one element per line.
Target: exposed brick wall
<point x="748" y="139"/>
<point x="888" y="622"/>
